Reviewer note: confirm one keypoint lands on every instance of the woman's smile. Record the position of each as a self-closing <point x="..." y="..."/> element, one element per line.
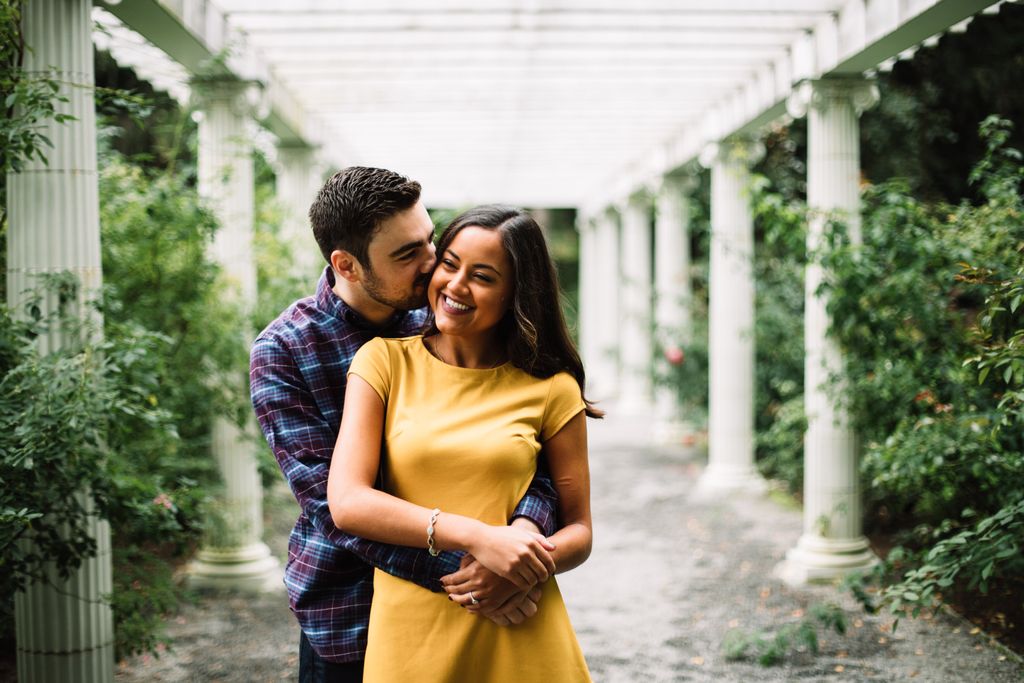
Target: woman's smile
<point x="471" y="287"/>
<point x="454" y="307"/>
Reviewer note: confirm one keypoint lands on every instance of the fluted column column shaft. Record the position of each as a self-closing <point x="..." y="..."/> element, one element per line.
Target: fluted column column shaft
<point x="604" y="367"/>
<point x="64" y="631"/>
<point x="637" y="346"/>
<point x="731" y="321"/>
<point x="673" y="291"/>
<point x="298" y="179"/>
<point x="832" y="542"/>
<point x="672" y="259"/>
<point x="589" y="302"/>
<point x="234" y="554"/>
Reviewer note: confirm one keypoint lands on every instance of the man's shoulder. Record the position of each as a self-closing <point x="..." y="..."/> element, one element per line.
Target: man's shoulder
<point x="298" y="322"/>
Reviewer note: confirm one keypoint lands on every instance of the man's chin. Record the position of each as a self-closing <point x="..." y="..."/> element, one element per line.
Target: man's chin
<point x="414" y="301"/>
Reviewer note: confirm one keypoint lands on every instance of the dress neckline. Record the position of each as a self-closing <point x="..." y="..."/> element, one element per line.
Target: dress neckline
<point x="422" y="346"/>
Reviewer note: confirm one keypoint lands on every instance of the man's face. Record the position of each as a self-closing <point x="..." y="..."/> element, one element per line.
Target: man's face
<point x="401" y="255"/>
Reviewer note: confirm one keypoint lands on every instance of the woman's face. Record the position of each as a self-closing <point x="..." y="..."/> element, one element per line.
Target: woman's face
<point x="472" y="285"/>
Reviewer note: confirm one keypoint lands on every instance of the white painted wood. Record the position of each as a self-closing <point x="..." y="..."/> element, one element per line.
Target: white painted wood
<point x="299" y="174"/>
<point x="64" y="628"/>
<point x="234" y="555"/>
<point x="635" y="283"/>
<point x="731" y="322"/>
<point x="832" y="543"/>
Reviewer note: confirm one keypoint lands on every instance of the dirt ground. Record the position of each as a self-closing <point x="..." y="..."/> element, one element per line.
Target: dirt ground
<point x="668" y="578"/>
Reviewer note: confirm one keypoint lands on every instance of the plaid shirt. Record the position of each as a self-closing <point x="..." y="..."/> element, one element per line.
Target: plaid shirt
<point x="298" y="375"/>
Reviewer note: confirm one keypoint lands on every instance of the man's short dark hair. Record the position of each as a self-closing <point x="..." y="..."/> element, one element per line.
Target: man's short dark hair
<point x="351" y="205"/>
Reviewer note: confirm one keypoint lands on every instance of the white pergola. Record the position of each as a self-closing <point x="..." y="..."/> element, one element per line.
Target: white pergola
<point x="606" y="107"/>
<point x="541" y="103"/>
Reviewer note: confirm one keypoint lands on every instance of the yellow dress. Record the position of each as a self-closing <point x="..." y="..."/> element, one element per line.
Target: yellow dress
<point x="465" y="441"/>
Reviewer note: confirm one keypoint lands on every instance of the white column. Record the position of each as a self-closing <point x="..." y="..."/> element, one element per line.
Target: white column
<point x="64" y="630"/>
<point x="298" y="180"/>
<point x="832" y="543"/>
<point x="673" y="291"/>
<point x="589" y="299"/>
<point x="234" y="556"/>
<point x="731" y="321"/>
<point x="637" y="344"/>
<point x="603" y="372"/>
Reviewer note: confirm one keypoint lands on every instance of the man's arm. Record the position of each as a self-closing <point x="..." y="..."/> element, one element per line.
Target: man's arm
<point x="302" y="443"/>
<point x="540" y="504"/>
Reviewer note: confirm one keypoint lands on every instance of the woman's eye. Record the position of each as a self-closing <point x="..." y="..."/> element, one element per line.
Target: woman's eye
<point x="482" y="277"/>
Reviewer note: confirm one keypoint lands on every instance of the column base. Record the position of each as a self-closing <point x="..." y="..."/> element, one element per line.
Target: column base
<point x="822" y="560"/>
<point x="251" y="569"/>
<point x="718" y="479"/>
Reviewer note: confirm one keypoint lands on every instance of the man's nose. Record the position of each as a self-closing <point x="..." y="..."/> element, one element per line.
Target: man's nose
<point x="428" y="262"/>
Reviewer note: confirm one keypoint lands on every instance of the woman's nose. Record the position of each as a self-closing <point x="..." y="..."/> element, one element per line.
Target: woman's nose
<point x="457" y="282"/>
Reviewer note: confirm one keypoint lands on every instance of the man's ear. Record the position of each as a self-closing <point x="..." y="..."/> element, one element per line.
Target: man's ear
<point x="346" y="265"/>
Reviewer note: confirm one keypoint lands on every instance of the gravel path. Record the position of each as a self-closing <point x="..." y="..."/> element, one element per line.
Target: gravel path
<point x="668" y="578"/>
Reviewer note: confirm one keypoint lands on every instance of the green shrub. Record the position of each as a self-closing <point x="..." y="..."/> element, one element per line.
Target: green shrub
<point x="955" y="456"/>
<point x="770" y="648"/>
<point x="63" y="419"/>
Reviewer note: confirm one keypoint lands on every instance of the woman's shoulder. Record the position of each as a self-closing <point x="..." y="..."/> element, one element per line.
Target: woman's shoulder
<point x="390" y="344"/>
<point x="563" y="383"/>
<point x="401" y="342"/>
<point x="386" y="349"/>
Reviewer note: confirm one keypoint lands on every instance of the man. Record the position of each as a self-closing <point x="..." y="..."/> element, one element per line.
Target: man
<point x="377" y="239"/>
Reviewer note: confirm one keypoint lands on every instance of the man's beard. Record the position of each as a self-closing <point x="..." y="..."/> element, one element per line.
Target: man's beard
<point x="412" y="300"/>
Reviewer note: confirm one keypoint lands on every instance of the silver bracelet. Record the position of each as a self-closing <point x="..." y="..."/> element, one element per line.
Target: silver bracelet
<point x="431" y="548"/>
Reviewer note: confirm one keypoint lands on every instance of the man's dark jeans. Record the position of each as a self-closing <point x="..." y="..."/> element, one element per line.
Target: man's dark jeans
<point x="314" y="669"/>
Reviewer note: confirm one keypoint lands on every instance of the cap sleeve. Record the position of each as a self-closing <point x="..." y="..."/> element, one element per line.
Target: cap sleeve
<point x="372" y="363"/>
<point x="565" y="401"/>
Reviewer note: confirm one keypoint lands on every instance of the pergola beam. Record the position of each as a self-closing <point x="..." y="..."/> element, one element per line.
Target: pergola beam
<point x="859" y="36"/>
<point x="197" y="35"/>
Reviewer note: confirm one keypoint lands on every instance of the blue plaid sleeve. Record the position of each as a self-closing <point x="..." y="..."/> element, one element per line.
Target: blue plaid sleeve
<point x="540" y="504"/>
<point x="302" y="442"/>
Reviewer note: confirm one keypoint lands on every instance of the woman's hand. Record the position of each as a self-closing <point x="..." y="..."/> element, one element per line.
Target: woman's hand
<point x="522" y="557"/>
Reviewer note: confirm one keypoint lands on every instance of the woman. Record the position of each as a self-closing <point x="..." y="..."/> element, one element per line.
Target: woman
<point x="464" y="411"/>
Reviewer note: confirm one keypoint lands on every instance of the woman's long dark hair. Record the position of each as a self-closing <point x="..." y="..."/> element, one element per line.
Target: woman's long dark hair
<point x="537" y="338"/>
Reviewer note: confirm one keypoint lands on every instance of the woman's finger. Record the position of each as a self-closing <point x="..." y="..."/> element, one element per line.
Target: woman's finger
<point x="464" y="599"/>
<point x="538" y="566"/>
<point x="544" y="541"/>
<point x="460" y="588"/>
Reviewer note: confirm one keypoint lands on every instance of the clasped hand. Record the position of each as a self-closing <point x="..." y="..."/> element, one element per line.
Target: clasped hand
<point x="480" y="591"/>
<point x="520" y="556"/>
<point x="511" y="595"/>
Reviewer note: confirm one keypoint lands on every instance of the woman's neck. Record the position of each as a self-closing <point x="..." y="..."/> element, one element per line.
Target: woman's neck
<point x="478" y="353"/>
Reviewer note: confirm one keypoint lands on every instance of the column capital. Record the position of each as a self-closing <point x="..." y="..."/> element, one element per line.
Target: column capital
<point x="734" y="150"/>
<point x="245" y="98"/>
<point x="861" y="93"/>
<point x="642" y="197"/>
<point x="677" y="184"/>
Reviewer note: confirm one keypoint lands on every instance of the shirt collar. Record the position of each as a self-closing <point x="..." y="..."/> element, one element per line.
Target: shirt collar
<point x="330" y="302"/>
